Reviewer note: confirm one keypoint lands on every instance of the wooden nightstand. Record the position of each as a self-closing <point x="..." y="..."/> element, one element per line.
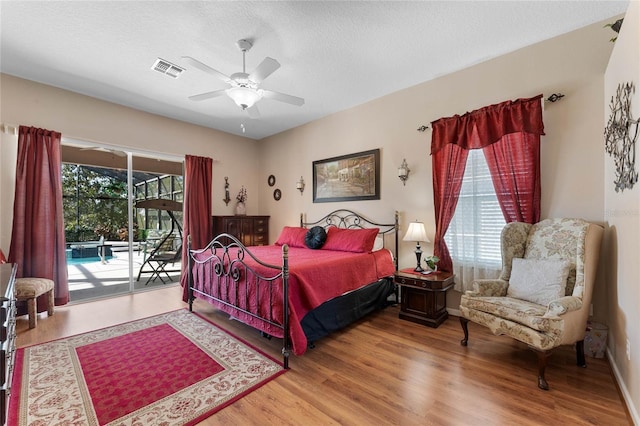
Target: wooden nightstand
<point x="423" y="298"/>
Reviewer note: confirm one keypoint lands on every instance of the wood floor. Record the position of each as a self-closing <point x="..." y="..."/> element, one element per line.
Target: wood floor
<point x="384" y="370"/>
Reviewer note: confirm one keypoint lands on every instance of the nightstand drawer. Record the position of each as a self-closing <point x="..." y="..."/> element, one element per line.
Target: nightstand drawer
<point x="432" y="281"/>
<point x="412" y="282"/>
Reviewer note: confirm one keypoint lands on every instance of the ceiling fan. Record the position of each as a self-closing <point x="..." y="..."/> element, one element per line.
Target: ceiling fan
<point x="245" y="88"/>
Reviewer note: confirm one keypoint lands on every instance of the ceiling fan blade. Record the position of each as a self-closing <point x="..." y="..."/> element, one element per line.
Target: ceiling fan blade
<point x="206" y="68"/>
<point x="253" y="112"/>
<point x="207" y="95"/>
<point x="264" y="70"/>
<point x="289" y="99"/>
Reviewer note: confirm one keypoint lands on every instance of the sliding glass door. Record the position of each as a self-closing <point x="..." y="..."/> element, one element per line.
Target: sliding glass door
<point x="96" y="217"/>
<point x="111" y="243"/>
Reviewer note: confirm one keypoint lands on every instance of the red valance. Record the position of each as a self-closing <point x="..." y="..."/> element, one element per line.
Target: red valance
<point x="485" y="126"/>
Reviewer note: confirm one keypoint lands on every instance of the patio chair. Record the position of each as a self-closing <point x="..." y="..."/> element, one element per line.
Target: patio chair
<point x="163" y="254"/>
<point x="160" y="258"/>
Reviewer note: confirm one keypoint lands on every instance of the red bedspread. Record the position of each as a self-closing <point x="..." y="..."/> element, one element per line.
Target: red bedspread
<point x="315" y="276"/>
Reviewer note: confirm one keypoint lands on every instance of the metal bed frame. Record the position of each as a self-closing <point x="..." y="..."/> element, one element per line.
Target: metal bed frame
<point x="225" y="256"/>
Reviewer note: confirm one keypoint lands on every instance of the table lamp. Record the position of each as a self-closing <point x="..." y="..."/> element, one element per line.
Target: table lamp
<point x="417" y="233"/>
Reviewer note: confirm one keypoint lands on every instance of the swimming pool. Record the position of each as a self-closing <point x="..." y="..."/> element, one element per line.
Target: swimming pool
<point x="82" y="260"/>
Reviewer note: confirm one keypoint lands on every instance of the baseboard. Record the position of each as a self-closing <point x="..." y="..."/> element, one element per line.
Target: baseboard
<point x="623" y="388"/>
<point x="454" y="312"/>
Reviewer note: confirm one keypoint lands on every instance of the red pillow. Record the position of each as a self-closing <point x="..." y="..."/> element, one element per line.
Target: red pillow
<point x="292" y="236"/>
<point x="355" y="240"/>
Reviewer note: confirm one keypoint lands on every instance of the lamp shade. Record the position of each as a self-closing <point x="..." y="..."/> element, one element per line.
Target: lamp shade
<point x="416" y="232"/>
<point x="244" y="97"/>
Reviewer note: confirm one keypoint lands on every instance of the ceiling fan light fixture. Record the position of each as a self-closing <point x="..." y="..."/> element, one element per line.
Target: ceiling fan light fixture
<point x="244" y="97"/>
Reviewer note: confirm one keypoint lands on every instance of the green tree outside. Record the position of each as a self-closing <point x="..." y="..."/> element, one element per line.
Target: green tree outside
<point x="95" y="204"/>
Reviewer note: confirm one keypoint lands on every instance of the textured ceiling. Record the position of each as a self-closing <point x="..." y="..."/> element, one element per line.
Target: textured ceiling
<point x="335" y="55"/>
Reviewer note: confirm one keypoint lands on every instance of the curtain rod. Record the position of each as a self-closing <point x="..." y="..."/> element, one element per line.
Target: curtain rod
<point x="554" y="97"/>
<point x="10" y="129"/>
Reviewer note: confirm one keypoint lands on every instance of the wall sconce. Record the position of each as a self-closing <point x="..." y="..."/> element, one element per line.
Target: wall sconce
<point x="417" y="233"/>
<point x="300" y="185"/>
<point x="226" y="198"/>
<point x="403" y="171"/>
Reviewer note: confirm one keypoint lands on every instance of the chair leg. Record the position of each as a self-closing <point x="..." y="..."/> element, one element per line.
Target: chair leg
<point x="465" y="328"/>
<point x="164" y="269"/>
<point x="161" y="270"/>
<point x="33" y="314"/>
<point x="581" y="362"/>
<point x="142" y="271"/>
<point x="543" y="356"/>
<point x="155" y="273"/>
<point x="50" y="302"/>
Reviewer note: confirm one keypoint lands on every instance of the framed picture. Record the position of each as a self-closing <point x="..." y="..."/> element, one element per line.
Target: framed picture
<point x="347" y="178"/>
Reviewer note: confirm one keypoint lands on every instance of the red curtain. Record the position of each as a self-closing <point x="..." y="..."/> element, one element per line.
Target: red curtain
<point x="509" y="134"/>
<point x="37" y="238"/>
<point x="448" y="170"/>
<point x="514" y="163"/>
<point x="197" y="209"/>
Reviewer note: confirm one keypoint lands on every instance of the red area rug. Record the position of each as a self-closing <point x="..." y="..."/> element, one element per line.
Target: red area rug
<point x="171" y="369"/>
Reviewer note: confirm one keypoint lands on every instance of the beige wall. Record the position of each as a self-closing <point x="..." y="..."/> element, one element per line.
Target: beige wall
<point x="88" y="119"/>
<point x="572" y="169"/>
<point x="622" y="216"/>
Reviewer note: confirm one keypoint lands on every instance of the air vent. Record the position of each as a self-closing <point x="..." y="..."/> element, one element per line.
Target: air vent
<point x="166" y="67"/>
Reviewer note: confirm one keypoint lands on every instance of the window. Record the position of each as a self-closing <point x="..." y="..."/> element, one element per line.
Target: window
<point x="473" y="236"/>
<point x="160" y="186"/>
<point x="509" y="136"/>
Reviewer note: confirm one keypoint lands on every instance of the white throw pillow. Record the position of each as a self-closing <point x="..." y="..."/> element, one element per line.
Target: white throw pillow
<point x="538" y="281"/>
<point x="378" y="243"/>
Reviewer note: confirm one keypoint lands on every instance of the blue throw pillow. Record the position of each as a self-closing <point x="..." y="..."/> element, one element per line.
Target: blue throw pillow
<point x="315" y="237"/>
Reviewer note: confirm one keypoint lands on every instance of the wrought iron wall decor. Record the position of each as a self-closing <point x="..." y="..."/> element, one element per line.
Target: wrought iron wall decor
<point x="621" y="135"/>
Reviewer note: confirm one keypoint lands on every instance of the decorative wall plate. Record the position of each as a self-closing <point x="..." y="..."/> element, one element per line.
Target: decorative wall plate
<point x="277" y="194"/>
<point x="271" y="180"/>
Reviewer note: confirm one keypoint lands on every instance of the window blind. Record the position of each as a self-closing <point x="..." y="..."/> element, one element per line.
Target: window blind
<point x="473" y="237"/>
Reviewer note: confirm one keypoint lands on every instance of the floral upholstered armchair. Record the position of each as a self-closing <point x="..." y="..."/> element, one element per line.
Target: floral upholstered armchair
<point x="543" y="294"/>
